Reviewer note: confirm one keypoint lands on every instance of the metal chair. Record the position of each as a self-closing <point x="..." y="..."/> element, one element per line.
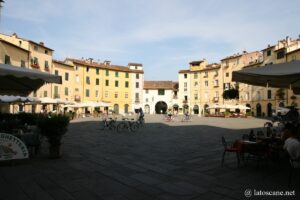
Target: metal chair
<point x="231" y="149"/>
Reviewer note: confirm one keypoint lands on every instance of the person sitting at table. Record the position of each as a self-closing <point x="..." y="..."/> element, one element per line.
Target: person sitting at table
<point x="292" y="145"/>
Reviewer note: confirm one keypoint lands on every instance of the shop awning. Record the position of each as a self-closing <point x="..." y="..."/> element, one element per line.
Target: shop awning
<point x="285" y="75"/>
<point x="21" y="81"/>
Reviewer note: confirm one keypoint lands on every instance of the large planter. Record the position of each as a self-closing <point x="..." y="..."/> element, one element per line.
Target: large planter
<point x="54" y="128"/>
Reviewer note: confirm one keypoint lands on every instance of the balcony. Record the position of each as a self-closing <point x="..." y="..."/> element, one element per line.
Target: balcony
<point x="36" y="66"/>
<point x="216" y="86"/>
<point x="47" y="69"/>
<point x="137" y="101"/>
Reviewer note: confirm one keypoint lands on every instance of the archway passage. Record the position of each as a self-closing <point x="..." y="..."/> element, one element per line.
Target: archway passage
<point x="161" y="107"/>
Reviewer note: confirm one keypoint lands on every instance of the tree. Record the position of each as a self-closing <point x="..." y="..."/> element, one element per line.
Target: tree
<point x="231" y="94"/>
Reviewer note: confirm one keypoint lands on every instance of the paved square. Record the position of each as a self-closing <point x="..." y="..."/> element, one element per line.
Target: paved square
<point x="164" y="160"/>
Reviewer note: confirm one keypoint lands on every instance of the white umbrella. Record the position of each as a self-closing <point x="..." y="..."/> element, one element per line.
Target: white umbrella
<point x="47" y="100"/>
<point x="9" y="99"/>
<point x="215" y="107"/>
<point x="242" y="107"/>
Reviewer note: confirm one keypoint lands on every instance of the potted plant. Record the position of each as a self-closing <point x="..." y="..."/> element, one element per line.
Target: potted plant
<point x="53" y="128"/>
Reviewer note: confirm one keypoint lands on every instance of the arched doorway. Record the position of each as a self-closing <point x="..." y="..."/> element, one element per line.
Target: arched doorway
<point x="269" y="110"/>
<point x="116" y="108"/>
<point x="161" y="107"/>
<point x="258" y="110"/>
<point x="126" y="108"/>
<point x="147" y="109"/>
<point x="196" y="109"/>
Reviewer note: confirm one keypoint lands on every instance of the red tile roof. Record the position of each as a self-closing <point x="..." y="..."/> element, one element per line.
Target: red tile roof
<point x="62" y="63"/>
<point x="104" y="66"/>
<point x="169" y="85"/>
<point x="135" y="64"/>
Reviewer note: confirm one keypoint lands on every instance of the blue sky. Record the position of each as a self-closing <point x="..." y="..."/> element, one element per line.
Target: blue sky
<point x="164" y="35"/>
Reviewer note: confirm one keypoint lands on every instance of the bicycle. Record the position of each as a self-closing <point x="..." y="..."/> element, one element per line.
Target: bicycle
<point x="186" y="118"/>
<point x="169" y="118"/>
<point x="126" y="124"/>
<point x="109" y="124"/>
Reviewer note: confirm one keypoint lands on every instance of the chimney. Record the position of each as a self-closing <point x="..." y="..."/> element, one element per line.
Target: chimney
<point x="14" y="35"/>
<point x="42" y="43"/>
<point x="90" y="60"/>
<point x="107" y="62"/>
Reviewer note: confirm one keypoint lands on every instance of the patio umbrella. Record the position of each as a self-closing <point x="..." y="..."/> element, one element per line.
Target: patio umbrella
<point x="21" y="81"/>
<point x="285" y="75"/>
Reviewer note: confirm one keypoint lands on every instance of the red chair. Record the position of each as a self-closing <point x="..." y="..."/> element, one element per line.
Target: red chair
<point x="230" y="149"/>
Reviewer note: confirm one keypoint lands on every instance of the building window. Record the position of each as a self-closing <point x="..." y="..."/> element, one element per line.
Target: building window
<point x="147" y="91"/>
<point x="126" y="95"/>
<point x="97" y="81"/>
<point x="107" y="72"/>
<point x="269" y="53"/>
<point x="56" y="72"/>
<point x="196" y="96"/>
<point x="269" y="94"/>
<point x="137" y="76"/>
<point x="195" y="75"/>
<point x="185" y="84"/>
<point x="106" y="94"/>
<point x="56" y="92"/>
<point x="87" y="93"/>
<point x="77" y="78"/>
<point x="76" y="89"/>
<point x="66" y="76"/>
<point x="227" y="74"/>
<point x="161" y="92"/>
<point x="35" y="61"/>
<point x="45" y="93"/>
<point x="280" y="54"/>
<point x="147" y="99"/>
<point x="46" y="64"/>
<point x="97" y="71"/>
<point x="87" y="69"/>
<point x="22" y="63"/>
<point x="97" y="93"/>
<point x="137" y="85"/>
<point x="196" y="83"/>
<point x="35" y="48"/>
<point x="76" y="67"/>
<point x="185" y="75"/>
<point x="7" y="60"/>
<point x="185" y="98"/>
<point x="217" y="94"/>
<point x="216" y="83"/>
<point x="116" y="74"/>
<point x="137" y="97"/>
<point x="126" y="84"/>
<point x="205" y="74"/>
<point x="106" y="82"/>
<point x="126" y="75"/>
<point x="87" y="80"/>
<point x="46" y="51"/>
<point x="116" y="95"/>
<point x="66" y="91"/>
<point x="206" y="83"/>
<point x="116" y="83"/>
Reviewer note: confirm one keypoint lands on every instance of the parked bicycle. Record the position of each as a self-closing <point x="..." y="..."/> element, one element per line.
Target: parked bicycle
<point x="169" y="118"/>
<point x="126" y="124"/>
<point x="110" y="124"/>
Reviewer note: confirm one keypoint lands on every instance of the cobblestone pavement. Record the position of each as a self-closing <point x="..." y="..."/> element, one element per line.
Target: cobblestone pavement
<point x="164" y="160"/>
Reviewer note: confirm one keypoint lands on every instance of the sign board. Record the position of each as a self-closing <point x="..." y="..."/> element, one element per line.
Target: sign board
<point x="12" y="148"/>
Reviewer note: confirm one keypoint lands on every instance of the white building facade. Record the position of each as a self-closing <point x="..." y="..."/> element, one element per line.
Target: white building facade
<point x="159" y="96"/>
<point x="137" y="81"/>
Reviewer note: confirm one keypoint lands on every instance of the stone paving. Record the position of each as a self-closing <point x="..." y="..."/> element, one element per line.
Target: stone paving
<point x="164" y="160"/>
